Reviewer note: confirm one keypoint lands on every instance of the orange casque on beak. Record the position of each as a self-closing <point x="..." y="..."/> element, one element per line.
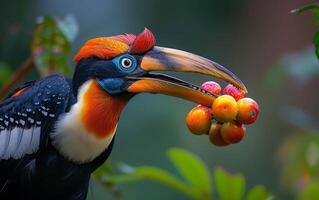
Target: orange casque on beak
<point x="167" y="59"/>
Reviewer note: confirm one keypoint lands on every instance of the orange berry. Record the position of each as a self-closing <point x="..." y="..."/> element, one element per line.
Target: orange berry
<point x="224" y="108"/>
<point x="232" y="132"/>
<point x="212" y="87"/>
<point x="234" y="92"/>
<point x="248" y="111"/>
<point x="215" y="136"/>
<point x="198" y="120"/>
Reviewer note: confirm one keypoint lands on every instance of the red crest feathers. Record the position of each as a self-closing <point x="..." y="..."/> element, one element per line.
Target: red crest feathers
<point x="127" y="38"/>
<point x="110" y="47"/>
<point x="143" y="42"/>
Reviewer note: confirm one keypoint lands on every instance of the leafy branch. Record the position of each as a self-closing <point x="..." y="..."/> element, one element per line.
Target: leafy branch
<point x="314" y="9"/>
<point x="194" y="179"/>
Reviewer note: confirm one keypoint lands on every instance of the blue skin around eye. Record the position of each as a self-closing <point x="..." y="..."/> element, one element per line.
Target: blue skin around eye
<point x="114" y="85"/>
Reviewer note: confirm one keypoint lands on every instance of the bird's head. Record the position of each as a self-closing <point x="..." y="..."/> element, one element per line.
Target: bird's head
<point x="123" y="65"/>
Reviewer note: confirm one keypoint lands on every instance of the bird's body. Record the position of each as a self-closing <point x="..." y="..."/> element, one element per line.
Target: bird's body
<point x="55" y="132"/>
<point x="42" y="171"/>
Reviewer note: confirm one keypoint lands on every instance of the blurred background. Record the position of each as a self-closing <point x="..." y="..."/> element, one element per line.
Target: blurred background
<point x="262" y="42"/>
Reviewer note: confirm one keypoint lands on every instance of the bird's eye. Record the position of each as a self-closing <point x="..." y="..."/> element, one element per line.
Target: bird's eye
<point x="126" y="62"/>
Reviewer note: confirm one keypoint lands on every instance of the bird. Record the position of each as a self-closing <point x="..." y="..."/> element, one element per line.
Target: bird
<point x="56" y="131"/>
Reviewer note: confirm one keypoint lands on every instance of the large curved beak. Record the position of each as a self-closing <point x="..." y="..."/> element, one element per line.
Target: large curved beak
<point x="167" y="59"/>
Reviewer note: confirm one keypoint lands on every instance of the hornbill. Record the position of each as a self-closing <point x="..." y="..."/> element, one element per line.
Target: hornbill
<point x="55" y="132"/>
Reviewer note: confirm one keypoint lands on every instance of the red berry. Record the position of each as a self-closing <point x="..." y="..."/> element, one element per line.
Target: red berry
<point x="232" y="132"/>
<point x="215" y="136"/>
<point x="234" y="92"/>
<point x="198" y="120"/>
<point x="248" y="111"/>
<point x="212" y="87"/>
<point x="224" y="108"/>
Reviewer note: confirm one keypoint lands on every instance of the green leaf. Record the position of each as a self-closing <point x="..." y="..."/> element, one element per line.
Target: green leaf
<point x="153" y="174"/>
<point x="229" y="187"/>
<point x="258" y="192"/>
<point x="311" y="7"/>
<point x="193" y="170"/>
<point x="5" y="72"/>
<point x="50" y="47"/>
<point x="311" y="192"/>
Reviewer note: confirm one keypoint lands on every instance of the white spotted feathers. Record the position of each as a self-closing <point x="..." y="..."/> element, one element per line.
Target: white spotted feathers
<point x="26" y="113"/>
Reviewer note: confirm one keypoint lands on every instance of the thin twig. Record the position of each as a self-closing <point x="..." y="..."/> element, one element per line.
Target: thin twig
<point x="17" y="76"/>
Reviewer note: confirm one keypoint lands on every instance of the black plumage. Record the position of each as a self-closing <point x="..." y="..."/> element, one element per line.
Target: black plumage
<point x="43" y="173"/>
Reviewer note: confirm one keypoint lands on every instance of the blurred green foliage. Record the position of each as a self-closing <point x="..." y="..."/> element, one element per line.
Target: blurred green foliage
<point x="51" y="45"/>
<point x="299" y="160"/>
<point x="195" y="182"/>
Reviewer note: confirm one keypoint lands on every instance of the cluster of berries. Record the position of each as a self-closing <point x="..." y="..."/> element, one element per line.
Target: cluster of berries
<point x="224" y="121"/>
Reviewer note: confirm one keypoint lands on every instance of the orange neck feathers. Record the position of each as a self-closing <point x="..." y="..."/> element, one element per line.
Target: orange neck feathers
<point x="100" y="112"/>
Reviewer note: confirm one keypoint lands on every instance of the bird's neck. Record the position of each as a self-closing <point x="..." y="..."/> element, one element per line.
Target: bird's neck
<point x="88" y="128"/>
<point x="100" y="112"/>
